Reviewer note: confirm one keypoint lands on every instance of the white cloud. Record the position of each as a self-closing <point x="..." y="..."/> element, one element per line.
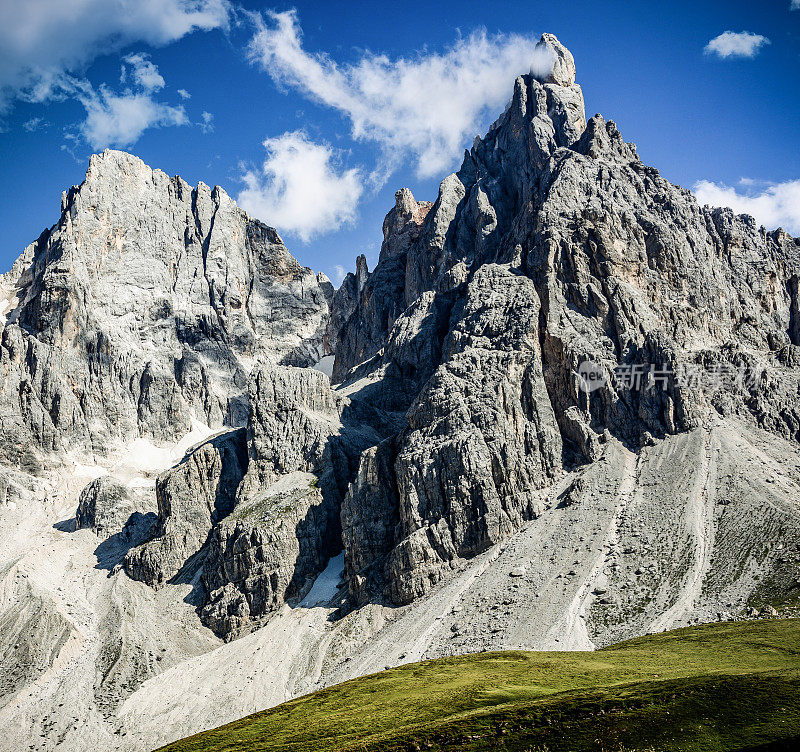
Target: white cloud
<point x="427" y="107"/>
<point x="40" y="40"/>
<point x="795" y="5"/>
<point x="33" y="124"/>
<point x="120" y="119"/>
<point x="777" y="205"/>
<point x="736" y="44"/>
<point x="300" y="188"/>
<point x="143" y="73"/>
<point x="207" y="122"/>
<point x="184" y="94"/>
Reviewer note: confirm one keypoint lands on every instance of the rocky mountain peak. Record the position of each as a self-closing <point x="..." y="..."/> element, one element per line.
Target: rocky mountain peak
<point x="112" y="173"/>
<point x="402" y="224"/>
<point x="170" y="292"/>
<point x="111" y="163"/>
<point x="553" y="62"/>
<point x="552" y="247"/>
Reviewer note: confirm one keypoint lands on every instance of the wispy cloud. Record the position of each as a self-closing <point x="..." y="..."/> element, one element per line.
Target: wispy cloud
<point x="775" y="205"/>
<point x="795" y="5"/>
<point x="184" y="94"/>
<point x="34" y="124"/>
<point x="207" y="122"/>
<point x="143" y="73"/>
<point x="301" y="187"/>
<point x="339" y="273"/>
<point x="736" y="44"/>
<point x="41" y="40"/>
<point x="119" y="118"/>
<point x="426" y="107"/>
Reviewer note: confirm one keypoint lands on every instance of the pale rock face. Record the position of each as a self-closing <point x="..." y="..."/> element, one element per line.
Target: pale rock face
<point x="144" y="308"/>
<point x="401" y="228"/>
<point x="303" y="443"/>
<point x="192" y="497"/>
<point x="467" y="469"/>
<point x="563" y="70"/>
<point x="482" y="436"/>
<point x="267" y="552"/>
<point x="105" y="506"/>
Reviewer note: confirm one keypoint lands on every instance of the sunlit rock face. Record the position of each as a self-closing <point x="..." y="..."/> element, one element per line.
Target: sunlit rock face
<point x="553" y="246"/>
<point x="144" y="308"/>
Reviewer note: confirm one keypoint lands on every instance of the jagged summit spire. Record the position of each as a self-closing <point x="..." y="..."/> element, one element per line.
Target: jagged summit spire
<point x="552" y="62"/>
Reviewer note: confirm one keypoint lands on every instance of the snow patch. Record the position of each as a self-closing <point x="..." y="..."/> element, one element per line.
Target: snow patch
<point x="88" y="471"/>
<point x="140" y="482"/>
<point x="4" y="307"/>
<point x="326" y="585"/>
<point x="147" y="457"/>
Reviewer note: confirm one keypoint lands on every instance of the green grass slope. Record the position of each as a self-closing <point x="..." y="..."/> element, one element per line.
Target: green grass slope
<point x="732" y="686"/>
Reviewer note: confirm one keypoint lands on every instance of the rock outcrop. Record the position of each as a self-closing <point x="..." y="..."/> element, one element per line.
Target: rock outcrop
<point x="362" y="336"/>
<point x="105" y="505"/>
<point x="553" y="250"/>
<point x="192" y="497"/>
<point x="267" y="552"/>
<point x="304" y="441"/>
<point x="344" y="302"/>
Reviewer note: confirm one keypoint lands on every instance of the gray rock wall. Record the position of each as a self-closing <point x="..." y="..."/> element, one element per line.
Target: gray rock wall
<point x="192" y="497"/>
<point x="553" y="246"/>
<point x="144" y="308"/>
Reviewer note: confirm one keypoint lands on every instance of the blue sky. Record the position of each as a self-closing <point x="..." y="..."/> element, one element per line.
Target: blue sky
<point x="314" y="114"/>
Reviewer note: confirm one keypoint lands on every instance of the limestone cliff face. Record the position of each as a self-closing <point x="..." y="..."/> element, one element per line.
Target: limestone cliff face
<point x="143" y="309"/>
<point x="460" y="398"/>
<point x="304" y="441"/>
<point x="552" y="247"/>
<point x="192" y="497"/>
